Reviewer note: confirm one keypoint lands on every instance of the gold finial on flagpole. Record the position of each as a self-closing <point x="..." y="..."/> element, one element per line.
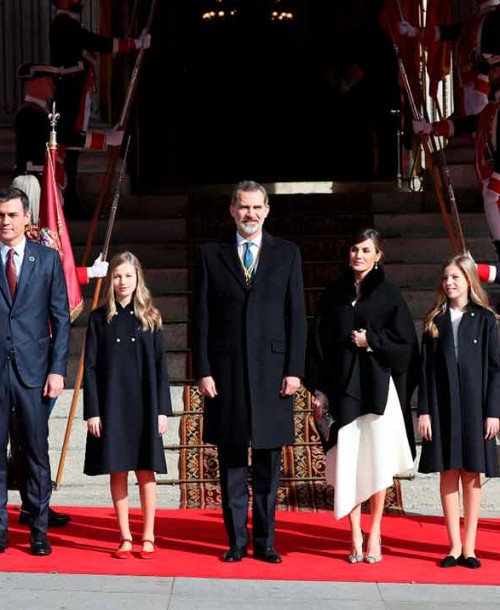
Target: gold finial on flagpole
<point x="53" y="118"/>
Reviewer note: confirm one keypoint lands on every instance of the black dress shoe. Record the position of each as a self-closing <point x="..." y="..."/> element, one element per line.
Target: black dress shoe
<point x="39" y="545"/>
<point x="55" y="519"/>
<point x="450" y="562"/>
<point x="470" y="562"/>
<point x="4" y="537"/>
<point x="267" y="553"/>
<point x="234" y="554"/>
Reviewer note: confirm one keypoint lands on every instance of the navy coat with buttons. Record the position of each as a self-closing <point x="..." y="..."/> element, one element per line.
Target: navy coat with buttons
<point x="460" y="394"/>
<point x="126" y="385"/>
<point x="248" y="338"/>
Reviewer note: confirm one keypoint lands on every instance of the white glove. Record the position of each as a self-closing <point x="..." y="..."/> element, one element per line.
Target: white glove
<point x="114" y="137"/>
<point x="421" y="127"/>
<point x="407" y="29"/>
<point x="490" y="197"/>
<point x="144" y="41"/>
<point x="99" y="268"/>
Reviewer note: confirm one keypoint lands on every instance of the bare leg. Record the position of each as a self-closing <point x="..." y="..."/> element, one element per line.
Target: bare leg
<point x="356" y="533"/>
<point x="377" y="502"/>
<point x="147" y="491"/>
<point x="471" y="486"/>
<point x="119" y="493"/>
<point x="449" y="480"/>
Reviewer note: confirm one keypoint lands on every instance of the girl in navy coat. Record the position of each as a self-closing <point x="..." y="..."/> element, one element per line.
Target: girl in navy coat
<point x="459" y="400"/>
<point x="127" y="396"/>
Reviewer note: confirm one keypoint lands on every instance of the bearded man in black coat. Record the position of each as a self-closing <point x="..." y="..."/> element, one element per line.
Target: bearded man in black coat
<point x="249" y="358"/>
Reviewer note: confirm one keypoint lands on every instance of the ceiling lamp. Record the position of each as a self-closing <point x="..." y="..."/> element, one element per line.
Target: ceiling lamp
<point x="219" y="11"/>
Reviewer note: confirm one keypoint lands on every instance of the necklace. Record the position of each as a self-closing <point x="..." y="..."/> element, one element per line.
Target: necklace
<point x="248" y="272"/>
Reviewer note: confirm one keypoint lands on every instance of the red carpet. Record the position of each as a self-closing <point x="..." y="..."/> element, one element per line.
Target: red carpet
<point x="314" y="548"/>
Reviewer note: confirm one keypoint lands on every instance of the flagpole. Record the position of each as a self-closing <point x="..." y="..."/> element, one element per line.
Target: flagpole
<point x="95" y="301"/>
<point x="435" y="157"/>
<point x="115" y="150"/>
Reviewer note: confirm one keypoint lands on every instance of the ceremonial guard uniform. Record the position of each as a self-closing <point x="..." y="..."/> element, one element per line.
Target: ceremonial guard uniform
<point x="75" y="48"/>
<point x="32" y="126"/>
<point x="477" y="49"/>
<point x="486" y="127"/>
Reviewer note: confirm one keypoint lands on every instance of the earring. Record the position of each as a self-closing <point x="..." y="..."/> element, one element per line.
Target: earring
<point x="376" y="265"/>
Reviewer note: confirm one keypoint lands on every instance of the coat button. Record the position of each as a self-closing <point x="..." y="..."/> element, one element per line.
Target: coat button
<point x="132" y="339"/>
<point x="475" y="341"/>
<point x="472" y="314"/>
<point x="118" y="340"/>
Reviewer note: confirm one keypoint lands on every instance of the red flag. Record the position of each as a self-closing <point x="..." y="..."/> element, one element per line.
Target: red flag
<point x="53" y="231"/>
<point x="392" y="12"/>
<point x="438" y="53"/>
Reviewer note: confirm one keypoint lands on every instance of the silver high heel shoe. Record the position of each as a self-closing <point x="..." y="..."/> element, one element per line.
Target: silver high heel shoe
<point x="375" y="558"/>
<point x="354" y="556"/>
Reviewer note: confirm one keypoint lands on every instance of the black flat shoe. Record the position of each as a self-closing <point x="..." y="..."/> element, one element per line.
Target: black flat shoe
<point x="57" y="519"/>
<point x="268" y="554"/>
<point x="234" y="554"/>
<point x="470" y="562"/>
<point x="39" y="545"/>
<point x="450" y="562"/>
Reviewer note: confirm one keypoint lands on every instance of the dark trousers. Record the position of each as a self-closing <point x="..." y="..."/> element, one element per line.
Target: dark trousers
<point x="18" y="467"/>
<point x="24" y="411"/>
<point x="233" y="467"/>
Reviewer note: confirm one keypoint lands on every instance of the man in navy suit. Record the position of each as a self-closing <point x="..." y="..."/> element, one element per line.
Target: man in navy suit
<point x="249" y="358"/>
<point x="34" y="351"/>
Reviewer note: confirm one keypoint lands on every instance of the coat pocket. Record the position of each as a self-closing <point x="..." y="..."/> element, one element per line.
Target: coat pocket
<point x="278" y="347"/>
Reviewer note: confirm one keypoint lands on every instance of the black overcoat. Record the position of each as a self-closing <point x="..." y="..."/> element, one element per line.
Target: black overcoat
<point x="126" y="384"/>
<point x="356" y="380"/>
<point x="248" y="338"/>
<point x="460" y="394"/>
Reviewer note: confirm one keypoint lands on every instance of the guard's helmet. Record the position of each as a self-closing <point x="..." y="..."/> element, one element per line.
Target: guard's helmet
<point x="30" y="70"/>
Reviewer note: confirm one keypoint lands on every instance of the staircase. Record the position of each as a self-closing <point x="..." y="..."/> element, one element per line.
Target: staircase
<point x="163" y="231"/>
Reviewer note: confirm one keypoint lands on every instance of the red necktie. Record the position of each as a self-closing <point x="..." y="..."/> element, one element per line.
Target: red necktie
<point x="11" y="272"/>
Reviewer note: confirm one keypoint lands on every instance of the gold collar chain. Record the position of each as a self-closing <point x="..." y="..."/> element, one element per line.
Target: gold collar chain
<point x="248" y="272"/>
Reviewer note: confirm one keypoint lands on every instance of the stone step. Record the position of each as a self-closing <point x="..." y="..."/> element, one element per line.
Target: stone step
<point x="131" y="230"/>
<point x="463" y="176"/>
<point x="96" y="489"/>
<point x="468" y="197"/>
<point x="159" y="281"/>
<point x="173" y="308"/>
<point x="427" y="225"/>
<point x="433" y="249"/>
<point x="421" y="493"/>
<point x="138" y="207"/>
<point x="460" y="150"/>
<point x="151" y="255"/>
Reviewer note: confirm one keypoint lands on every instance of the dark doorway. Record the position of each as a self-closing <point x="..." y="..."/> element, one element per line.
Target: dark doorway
<point x="307" y="98"/>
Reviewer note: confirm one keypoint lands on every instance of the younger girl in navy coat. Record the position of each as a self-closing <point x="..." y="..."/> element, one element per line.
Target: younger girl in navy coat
<point x="459" y="400"/>
<point x="127" y="396"/>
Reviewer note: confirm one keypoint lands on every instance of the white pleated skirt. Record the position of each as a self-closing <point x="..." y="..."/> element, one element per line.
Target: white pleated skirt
<point x="369" y="452"/>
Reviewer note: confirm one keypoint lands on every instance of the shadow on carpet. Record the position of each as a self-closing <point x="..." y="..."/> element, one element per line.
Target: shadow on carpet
<point x="313" y="544"/>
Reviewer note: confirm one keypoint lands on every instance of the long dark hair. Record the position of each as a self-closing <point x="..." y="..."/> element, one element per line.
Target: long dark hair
<point x="364" y="234"/>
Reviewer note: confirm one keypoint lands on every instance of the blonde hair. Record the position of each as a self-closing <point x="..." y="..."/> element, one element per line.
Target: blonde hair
<point x="144" y="309"/>
<point x="476" y="292"/>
